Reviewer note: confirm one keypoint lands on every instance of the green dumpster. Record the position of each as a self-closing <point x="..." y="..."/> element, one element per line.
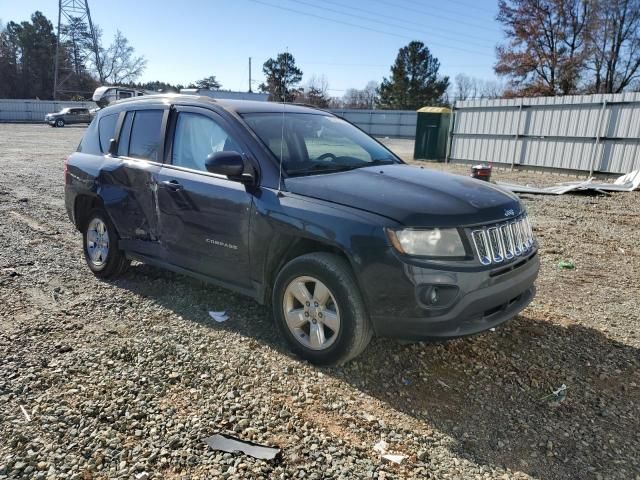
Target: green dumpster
<point x="432" y="131"/>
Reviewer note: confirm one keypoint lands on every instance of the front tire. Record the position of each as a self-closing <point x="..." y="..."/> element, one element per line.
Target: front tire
<point x="319" y="310"/>
<point x="59" y="123"/>
<point x="100" y="246"/>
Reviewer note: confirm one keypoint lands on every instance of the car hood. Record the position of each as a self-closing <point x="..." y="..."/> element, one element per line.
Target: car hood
<point x="413" y="196"/>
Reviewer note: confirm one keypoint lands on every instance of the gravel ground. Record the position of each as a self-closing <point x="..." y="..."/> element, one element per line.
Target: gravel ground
<point x="124" y="379"/>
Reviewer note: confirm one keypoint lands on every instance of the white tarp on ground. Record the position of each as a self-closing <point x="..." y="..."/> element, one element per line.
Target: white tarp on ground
<point x="625" y="183"/>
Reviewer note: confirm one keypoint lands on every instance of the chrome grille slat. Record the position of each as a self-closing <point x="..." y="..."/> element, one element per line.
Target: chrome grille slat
<point x="482" y="248"/>
<point x="508" y="242"/>
<point x="503" y="241"/>
<point x="495" y="244"/>
<point x="518" y="234"/>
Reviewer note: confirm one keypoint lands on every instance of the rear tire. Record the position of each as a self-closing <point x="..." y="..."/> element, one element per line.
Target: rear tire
<point x="100" y="246"/>
<point x="59" y="123"/>
<point x="319" y="310"/>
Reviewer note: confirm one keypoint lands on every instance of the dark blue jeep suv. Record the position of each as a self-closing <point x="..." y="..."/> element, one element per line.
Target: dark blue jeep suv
<point x="301" y="210"/>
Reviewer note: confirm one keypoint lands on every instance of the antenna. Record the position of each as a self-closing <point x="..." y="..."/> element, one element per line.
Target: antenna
<point x="284" y="104"/>
<point x="249" y="74"/>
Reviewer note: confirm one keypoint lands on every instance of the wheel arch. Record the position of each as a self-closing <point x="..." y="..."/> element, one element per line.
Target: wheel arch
<point x="296" y="247"/>
<point x="82" y="206"/>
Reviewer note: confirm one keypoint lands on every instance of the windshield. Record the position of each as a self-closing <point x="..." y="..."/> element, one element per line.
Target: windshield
<point x="316" y="143"/>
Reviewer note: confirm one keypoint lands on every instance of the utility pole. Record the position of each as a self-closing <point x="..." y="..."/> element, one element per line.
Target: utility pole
<point x="249" y="74"/>
<point x="72" y="12"/>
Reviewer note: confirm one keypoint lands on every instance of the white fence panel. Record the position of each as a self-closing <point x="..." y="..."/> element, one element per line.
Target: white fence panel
<point x="34" y="110"/>
<point x="382" y="123"/>
<point x="579" y="132"/>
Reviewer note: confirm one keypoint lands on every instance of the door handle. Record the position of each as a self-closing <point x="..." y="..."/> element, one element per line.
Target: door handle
<point x="172" y="185"/>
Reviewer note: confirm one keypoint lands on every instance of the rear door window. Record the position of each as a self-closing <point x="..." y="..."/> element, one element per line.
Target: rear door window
<point x="107" y="130"/>
<point x="125" y="134"/>
<point x="146" y="135"/>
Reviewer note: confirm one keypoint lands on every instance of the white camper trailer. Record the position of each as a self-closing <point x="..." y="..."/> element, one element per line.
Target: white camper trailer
<point x="103" y="96"/>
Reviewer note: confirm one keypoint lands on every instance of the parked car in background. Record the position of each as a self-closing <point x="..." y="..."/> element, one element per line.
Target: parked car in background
<point x="303" y="211"/>
<point x="68" y="116"/>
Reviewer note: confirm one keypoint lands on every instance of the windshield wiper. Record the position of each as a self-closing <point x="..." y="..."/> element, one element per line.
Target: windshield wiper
<point x="332" y="168"/>
<point x="321" y="169"/>
<point x="381" y="161"/>
<point x="375" y="162"/>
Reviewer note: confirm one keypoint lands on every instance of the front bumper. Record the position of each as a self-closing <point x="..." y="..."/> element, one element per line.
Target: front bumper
<point x="483" y="299"/>
<point x="50" y="121"/>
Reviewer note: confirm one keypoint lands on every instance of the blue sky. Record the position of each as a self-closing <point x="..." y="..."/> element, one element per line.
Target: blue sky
<point x="348" y="41"/>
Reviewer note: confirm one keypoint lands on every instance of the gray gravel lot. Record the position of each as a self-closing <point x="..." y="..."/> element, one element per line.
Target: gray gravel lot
<point x="124" y="379"/>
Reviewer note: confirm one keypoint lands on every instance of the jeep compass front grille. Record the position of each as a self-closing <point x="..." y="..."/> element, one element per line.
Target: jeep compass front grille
<point x="503" y="241"/>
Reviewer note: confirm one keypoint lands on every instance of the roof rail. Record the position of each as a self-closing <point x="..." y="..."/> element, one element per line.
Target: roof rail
<point x="308" y="105"/>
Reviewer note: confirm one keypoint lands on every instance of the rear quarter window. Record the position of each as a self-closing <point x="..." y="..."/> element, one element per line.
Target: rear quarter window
<point x="91" y="140"/>
<point x="107" y="129"/>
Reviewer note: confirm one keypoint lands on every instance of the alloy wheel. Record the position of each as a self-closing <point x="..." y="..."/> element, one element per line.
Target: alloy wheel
<point x="311" y="313"/>
<point x="97" y="242"/>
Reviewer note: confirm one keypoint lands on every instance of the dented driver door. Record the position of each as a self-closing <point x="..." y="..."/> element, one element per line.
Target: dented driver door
<point x="203" y="218"/>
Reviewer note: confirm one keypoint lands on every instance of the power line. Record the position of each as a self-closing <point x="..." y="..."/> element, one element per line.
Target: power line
<point x="333" y="64"/>
<point x="465" y="5"/>
<point x="362" y="27"/>
<point x="420" y="24"/>
<point x="431" y="14"/>
<point x="386" y="22"/>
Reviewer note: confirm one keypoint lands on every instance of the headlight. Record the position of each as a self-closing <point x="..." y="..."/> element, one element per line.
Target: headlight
<point x="433" y="242"/>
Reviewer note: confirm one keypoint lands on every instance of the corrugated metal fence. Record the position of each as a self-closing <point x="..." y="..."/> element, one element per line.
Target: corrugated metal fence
<point x="593" y="133"/>
<point x="382" y="123"/>
<point x="34" y="110"/>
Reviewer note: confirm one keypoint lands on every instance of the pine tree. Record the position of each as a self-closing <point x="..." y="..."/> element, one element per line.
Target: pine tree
<point x="414" y="81"/>
<point x="282" y="76"/>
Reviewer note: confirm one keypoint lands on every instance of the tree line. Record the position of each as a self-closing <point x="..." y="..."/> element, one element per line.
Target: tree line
<point x="551" y="47"/>
<point x="28" y="56"/>
<point x="414" y="82"/>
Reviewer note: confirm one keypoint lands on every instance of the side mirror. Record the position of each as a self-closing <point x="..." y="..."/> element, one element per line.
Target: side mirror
<point x="230" y="164"/>
<point x="113" y="147"/>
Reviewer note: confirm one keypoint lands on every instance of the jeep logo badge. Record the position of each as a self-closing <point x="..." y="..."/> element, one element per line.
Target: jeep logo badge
<point x="509" y="213"/>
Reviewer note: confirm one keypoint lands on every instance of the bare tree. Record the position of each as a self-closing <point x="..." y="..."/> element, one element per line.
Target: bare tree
<point x="491" y="89"/>
<point x="315" y="92"/>
<point x="466" y="87"/>
<point x="371" y="93"/>
<point x="336" y="102"/>
<point x="615" y="43"/>
<point x="353" y="98"/>
<point x="365" y="98"/>
<point x="118" y="63"/>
